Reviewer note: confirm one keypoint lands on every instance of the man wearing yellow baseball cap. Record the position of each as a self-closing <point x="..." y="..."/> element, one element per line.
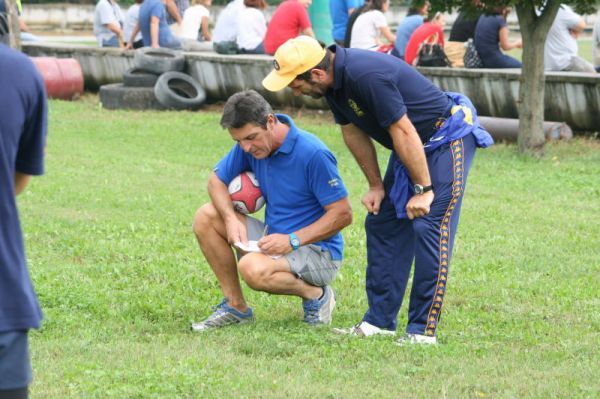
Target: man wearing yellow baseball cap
<point x="293" y="58"/>
<point x="414" y="209"/>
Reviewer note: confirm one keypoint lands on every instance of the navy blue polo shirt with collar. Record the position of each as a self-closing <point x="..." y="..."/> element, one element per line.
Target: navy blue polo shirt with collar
<point x="373" y="90"/>
<point x="23" y="112"/>
<point x="298" y="180"/>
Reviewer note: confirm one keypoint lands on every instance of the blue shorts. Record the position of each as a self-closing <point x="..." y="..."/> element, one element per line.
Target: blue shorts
<point x="15" y="367"/>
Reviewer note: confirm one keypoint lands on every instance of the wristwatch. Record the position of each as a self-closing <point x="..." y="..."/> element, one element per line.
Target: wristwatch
<point x="294" y="241"/>
<point x="419" y="189"/>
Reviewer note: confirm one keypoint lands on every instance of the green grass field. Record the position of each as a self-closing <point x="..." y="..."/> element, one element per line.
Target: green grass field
<point x="120" y="277"/>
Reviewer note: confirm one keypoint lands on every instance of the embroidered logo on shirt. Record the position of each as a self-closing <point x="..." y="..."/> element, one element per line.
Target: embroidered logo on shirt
<point x="359" y="112"/>
<point x="333" y="182"/>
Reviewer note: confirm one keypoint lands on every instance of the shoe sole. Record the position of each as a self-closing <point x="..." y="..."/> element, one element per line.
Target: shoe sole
<point x="331" y="306"/>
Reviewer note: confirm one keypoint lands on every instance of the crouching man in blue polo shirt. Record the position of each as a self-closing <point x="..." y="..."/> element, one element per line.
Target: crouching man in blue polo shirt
<point x="307" y="206"/>
<point x="414" y="209"/>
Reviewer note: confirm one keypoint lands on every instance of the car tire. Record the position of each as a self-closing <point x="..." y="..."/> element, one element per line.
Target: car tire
<point x="117" y="96"/>
<point x="159" y="60"/>
<point x="136" y="77"/>
<point x="179" y="91"/>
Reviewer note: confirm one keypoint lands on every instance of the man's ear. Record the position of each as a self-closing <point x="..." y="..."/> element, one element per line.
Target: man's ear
<point x="317" y="75"/>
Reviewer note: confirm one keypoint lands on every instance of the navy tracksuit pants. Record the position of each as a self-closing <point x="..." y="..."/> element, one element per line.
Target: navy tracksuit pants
<point x="393" y="244"/>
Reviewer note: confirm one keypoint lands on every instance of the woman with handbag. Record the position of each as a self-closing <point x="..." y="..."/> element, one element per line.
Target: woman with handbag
<point x="431" y="33"/>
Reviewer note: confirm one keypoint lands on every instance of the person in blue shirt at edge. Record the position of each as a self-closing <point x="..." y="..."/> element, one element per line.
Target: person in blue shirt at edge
<point x="414" y="209"/>
<point x="152" y="22"/>
<point x="415" y="17"/>
<point x="23" y="126"/>
<point x="306" y="207"/>
<point x="340" y="11"/>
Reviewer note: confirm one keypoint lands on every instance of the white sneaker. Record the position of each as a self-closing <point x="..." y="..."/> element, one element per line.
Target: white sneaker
<point x="416" y="339"/>
<point x="364" y="329"/>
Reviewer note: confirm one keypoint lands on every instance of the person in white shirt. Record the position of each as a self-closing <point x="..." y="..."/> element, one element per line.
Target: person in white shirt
<point x="560" y="51"/>
<point x="596" y="43"/>
<point x="225" y="31"/>
<point x="371" y="25"/>
<point x="251" y="27"/>
<point x="131" y="19"/>
<point x="195" y="33"/>
<point x="108" y="24"/>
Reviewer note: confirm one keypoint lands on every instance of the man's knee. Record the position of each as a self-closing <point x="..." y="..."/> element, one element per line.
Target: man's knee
<point x="253" y="272"/>
<point x="204" y="219"/>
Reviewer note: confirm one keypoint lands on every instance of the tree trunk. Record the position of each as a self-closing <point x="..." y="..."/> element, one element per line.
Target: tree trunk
<point x="534" y="30"/>
<point x="14" y="32"/>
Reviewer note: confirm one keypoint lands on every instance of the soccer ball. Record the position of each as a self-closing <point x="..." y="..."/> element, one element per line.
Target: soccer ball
<point x="245" y="193"/>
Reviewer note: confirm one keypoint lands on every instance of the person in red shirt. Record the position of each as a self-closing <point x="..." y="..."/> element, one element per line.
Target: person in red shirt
<point x="289" y="20"/>
<point x="430" y="32"/>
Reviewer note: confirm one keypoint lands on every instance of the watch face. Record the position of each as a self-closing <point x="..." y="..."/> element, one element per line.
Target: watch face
<point x="418" y="189"/>
<point x="295" y="242"/>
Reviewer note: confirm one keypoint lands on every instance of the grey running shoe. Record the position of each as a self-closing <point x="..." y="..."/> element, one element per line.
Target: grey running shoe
<point x="318" y="311"/>
<point x="222" y="316"/>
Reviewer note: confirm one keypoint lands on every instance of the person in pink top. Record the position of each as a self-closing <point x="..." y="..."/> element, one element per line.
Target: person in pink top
<point x="289" y="20"/>
<point x="430" y="32"/>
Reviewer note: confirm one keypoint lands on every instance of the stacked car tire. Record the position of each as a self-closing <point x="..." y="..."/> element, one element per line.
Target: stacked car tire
<point x="156" y="81"/>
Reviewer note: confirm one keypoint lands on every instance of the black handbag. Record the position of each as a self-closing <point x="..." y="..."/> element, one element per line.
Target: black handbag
<point x="471" y="58"/>
<point x="431" y="54"/>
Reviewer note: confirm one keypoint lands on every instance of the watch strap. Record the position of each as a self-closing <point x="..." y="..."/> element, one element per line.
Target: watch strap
<point x="294" y="241"/>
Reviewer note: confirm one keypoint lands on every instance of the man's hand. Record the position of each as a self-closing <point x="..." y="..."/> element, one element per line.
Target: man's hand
<point x="236" y="231"/>
<point x="275" y="244"/>
<point x="372" y="199"/>
<point x="419" y="205"/>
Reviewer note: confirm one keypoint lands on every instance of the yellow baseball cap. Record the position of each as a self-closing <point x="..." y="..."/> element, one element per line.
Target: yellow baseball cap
<point x="293" y="58"/>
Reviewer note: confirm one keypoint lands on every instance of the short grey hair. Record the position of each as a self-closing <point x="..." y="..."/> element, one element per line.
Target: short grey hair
<point x="245" y="107"/>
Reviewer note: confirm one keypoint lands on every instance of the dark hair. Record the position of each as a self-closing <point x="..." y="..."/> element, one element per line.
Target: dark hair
<point x="324" y="65"/>
<point x="245" y="107"/>
<point x="260" y="4"/>
<point x="374" y="5"/>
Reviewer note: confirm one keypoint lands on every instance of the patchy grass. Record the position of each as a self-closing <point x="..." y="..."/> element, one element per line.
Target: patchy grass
<point x="120" y="277"/>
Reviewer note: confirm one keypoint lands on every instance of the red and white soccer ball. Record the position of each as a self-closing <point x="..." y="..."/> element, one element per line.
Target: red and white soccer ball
<point x="245" y="193"/>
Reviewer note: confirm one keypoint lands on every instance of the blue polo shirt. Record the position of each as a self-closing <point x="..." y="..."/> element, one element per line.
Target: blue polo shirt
<point x="373" y="90"/>
<point x="22" y="140"/>
<point x="298" y="180"/>
<point x="338" y="9"/>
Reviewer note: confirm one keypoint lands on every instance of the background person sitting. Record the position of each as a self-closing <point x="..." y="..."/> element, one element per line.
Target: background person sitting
<point x="351" y="20"/>
<point x="370" y="26"/>
<point x="341" y="11"/>
<point x="225" y="32"/>
<point x="414" y="18"/>
<point x="251" y="27"/>
<point x="596" y="43"/>
<point x="153" y="25"/>
<point x="462" y="30"/>
<point x="289" y="20"/>
<point x="108" y="24"/>
<point x="131" y="19"/>
<point x="430" y="32"/>
<point x="195" y="33"/>
<point x="491" y="33"/>
<point x="560" y="51"/>
<point x="175" y="10"/>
